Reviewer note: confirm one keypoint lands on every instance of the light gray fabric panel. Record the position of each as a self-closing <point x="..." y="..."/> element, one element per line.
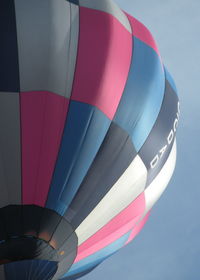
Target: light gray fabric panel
<point x="2" y="273"/>
<point x="47" y="33"/>
<point x="110" y="7"/>
<point x="10" y="151"/>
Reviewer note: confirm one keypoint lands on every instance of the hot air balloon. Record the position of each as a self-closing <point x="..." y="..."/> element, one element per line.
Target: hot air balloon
<point x="88" y="118"/>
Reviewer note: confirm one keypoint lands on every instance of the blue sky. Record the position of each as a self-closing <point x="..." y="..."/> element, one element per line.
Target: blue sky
<point x="168" y="247"/>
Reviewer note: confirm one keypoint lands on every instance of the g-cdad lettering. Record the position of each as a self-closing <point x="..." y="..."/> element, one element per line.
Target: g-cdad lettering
<point x="169" y="140"/>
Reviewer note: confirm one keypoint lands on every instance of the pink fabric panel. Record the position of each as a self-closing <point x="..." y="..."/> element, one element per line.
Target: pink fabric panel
<point x="138" y="228"/>
<point x="103" y="61"/>
<point x="43" y="116"/>
<point x="117" y="227"/>
<point x="141" y="32"/>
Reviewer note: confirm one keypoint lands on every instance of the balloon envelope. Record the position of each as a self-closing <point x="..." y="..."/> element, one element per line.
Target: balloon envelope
<point x="88" y="117"/>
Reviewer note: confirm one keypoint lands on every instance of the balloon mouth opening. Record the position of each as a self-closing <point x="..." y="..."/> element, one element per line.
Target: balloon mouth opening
<point x="18" y="248"/>
<point x="31" y="234"/>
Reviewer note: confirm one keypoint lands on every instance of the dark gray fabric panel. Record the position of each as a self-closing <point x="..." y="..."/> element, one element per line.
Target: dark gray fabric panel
<point x="2" y="273"/>
<point x="64" y="266"/>
<point x="76" y="2"/>
<point x="9" y="68"/>
<point x="47" y="33"/>
<point x="48" y="224"/>
<point x="11" y="217"/>
<point x="158" y="145"/>
<point x="69" y="246"/>
<point x="114" y="156"/>
<point x="10" y="149"/>
<point x="61" y="234"/>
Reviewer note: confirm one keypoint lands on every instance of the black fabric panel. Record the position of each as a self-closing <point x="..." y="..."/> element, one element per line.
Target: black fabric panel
<point x="157" y="147"/>
<point x="62" y="232"/>
<point x="114" y="156"/>
<point x="48" y="224"/>
<point x="12" y="216"/>
<point x="64" y="266"/>
<point x="31" y="216"/>
<point x="3" y="232"/>
<point x="9" y="68"/>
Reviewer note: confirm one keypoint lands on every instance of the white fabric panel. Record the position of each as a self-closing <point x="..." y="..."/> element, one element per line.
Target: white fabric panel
<point x="47" y="34"/>
<point x="159" y="184"/>
<point x="73" y="47"/>
<point x="125" y="190"/>
<point x="109" y="7"/>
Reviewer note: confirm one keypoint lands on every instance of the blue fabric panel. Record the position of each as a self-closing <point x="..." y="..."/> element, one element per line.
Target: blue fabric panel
<point x="81" y="274"/>
<point x="30" y="269"/>
<point x="170" y="80"/>
<point x="98" y="257"/>
<point x="84" y="131"/>
<point x="143" y="94"/>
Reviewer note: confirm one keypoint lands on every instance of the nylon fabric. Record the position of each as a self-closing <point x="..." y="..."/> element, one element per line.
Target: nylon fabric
<point x="43" y="117"/>
<point x="107" y="6"/>
<point x="10" y="154"/>
<point x="47" y="33"/>
<point x="114" y="156"/>
<point x="101" y="61"/>
<point x="159" y="184"/>
<point x="9" y="70"/>
<point x="30" y="270"/>
<point x="114" y="229"/>
<point x="146" y="79"/>
<point x="97" y="257"/>
<point x="158" y="145"/>
<point x="84" y="132"/>
<point x="123" y="192"/>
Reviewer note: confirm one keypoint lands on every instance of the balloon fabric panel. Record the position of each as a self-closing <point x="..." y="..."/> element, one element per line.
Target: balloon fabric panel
<point x="159" y="184"/>
<point x="147" y="79"/>
<point x="43" y="117"/>
<point x="114" y="229"/>
<point x="131" y="184"/>
<point x="47" y="47"/>
<point x="102" y="63"/>
<point x="10" y="155"/>
<point x="9" y="72"/>
<point x="77" y="151"/>
<point x="97" y="257"/>
<point x="108" y="7"/>
<point x="2" y="273"/>
<point x="141" y="32"/>
<point x="136" y="229"/>
<point x="114" y="156"/>
<point x="170" y="80"/>
<point x="80" y="274"/>
<point x="22" y="270"/>
<point x="158" y="145"/>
